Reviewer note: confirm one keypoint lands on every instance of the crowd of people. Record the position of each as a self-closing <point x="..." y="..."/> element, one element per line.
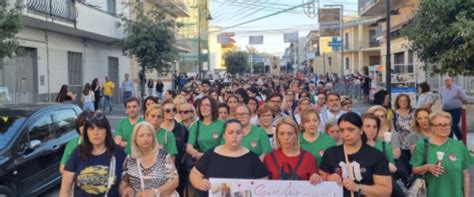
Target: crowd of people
<point x="278" y="128"/>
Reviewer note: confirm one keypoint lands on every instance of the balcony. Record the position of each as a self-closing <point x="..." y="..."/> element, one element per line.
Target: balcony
<point x="76" y="19"/>
<point x="176" y="7"/>
<point x="376" y="7"/>
<point x="57" y="9"/>
<point x="183" y="45"/>
<point x="361" y="45"/>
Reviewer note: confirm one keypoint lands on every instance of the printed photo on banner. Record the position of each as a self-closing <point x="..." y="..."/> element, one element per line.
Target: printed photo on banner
<point x="257" y="188"/>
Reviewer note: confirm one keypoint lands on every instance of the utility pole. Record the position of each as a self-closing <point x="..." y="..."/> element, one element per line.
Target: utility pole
<point x="388" y="61"/>
<point x="199" y="39"/>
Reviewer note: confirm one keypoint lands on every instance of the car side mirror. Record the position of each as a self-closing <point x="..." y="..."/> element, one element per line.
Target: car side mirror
<point x="34" y="144"/>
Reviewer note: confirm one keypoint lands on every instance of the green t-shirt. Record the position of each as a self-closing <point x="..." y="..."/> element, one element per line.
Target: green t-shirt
<point x="209" y="135"/>
<point x="318" y="146"/>
<point x="125" y="129"/>
<point x="456" y="159"/>
<point x="256" y="141"/>
<point x="70" y="146"/>
<point x="170" y="144"/>
<point x="388" y="150"/>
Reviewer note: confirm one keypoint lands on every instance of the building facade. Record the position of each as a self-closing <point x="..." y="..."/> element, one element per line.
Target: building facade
<point x="65" y="42"/>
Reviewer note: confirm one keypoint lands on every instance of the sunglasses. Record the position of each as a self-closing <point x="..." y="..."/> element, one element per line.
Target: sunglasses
<point x="97" y="116"/>
<point x="174" y="110"/>
<point x="185" y="111"/>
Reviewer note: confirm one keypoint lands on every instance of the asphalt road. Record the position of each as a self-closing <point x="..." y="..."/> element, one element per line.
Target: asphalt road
<point x="119" y="113"/>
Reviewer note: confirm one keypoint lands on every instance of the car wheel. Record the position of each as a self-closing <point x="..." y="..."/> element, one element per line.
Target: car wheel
<point x="8" y="191"/>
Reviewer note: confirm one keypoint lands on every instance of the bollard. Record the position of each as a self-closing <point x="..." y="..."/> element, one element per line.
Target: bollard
<point x="464" y="126"/>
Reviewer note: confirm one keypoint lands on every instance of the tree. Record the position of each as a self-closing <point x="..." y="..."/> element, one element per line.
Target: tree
<point x="442" y="32"/>
<point x="237" y="62"/>
<point x="258" y="67"/>
<point x="150" y="39"/>
<point x="11" y="22"/>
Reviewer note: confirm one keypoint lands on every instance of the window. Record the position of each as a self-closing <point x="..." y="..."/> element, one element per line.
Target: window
<point x="347" y="63"/>
<point x="41" y="129"/>
<point x="399" y="58"/>
<point x="346" y="41"/>
<point x="112" y="7"/>
<point x="74" y="68"/>
<point x="65" y="120"/>
<point x="410" y="57"/>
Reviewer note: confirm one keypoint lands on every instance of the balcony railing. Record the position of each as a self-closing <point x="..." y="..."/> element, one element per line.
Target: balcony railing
<point x="359" y="45"/>
<point x="58" y="9"/>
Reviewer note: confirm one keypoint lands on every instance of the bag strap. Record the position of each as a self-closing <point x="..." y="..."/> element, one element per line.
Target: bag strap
<point x="300" y="159"/>
<point x="197" y="135"/>
<point x="425" y="152"/>
<point x="383" y="147"/>
<point x="110" y="180"/>
<point x="276" y="163"/>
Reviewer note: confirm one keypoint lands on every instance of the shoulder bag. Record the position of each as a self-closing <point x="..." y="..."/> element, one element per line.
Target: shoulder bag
<point x="418" y="188"/>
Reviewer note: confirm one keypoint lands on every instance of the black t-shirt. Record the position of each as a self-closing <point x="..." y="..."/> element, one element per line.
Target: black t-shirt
<point x="181" y="134"/>
<point x="213" y="165"/>
<point x="367" y="162"/>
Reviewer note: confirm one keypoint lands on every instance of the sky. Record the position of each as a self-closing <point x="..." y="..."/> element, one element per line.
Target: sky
<point x="227" y="13"/>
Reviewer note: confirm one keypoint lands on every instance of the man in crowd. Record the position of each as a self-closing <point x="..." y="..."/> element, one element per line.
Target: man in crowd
<point x="127" y="88"/>
<point x="108" y="91"/>
<point x="333" y="109"/>
<point x="123" y="132"/>
<point x="453" y="97"/>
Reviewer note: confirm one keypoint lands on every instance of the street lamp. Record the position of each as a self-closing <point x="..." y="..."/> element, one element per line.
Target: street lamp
<point x="341" y="21"/>
<point x="200" y="10"/>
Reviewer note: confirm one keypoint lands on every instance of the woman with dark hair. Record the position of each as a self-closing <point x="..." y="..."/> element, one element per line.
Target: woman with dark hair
<point x="206" y="133"/>
<point x="87" y="98"/>
<point x="253" y="106"/>
<point x="150" y="100"/>
<point x="229" y="160"/>
<point x="402" y="124"/>
<point x="213" y="93"/>
<point x="169" y="94"/>
<point x="242" y="95"/>
<point x="232" y="101"/>
<point x="96" y="88"/>
<point x="72" y="144"/>
<point x="65" y="95"/>
<point x="95" y="167"/>
<point x="223" y="109"/>
<point x="426" y="99"/>
<point x="254" y="138"/>
<point x="383" y="98"/>
<point x="358" y="167"/>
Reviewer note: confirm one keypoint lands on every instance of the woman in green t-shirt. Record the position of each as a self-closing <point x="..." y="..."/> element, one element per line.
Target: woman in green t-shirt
<point x="72" y="144"/>
<point x="166" y="139"/>
<point x="421" y="124"/>
<point x="447" y="163"/>
<point x="254" y="138"/>
<point x="312" y="140"/>
<point x="206" y="133"/>
<point x="371" y="126"/>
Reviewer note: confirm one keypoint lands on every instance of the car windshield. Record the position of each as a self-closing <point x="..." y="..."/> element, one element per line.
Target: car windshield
<point x="9" y="124"/>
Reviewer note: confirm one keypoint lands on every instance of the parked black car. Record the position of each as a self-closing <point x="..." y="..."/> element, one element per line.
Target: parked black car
<point x="32" y="141"/>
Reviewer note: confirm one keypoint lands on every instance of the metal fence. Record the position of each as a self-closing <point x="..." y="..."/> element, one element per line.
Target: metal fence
<point x="59" y="9"/>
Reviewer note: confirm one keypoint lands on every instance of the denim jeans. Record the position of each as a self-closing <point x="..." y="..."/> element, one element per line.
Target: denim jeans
<point x="126" y="95"/>
<point x="456" y="115"/>
<point x="107" y="102"/>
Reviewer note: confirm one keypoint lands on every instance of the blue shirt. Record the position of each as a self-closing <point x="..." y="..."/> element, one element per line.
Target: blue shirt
<point x="91" y="176"/>
<point x="127" y="86"/>
<point x="453" y="97"/>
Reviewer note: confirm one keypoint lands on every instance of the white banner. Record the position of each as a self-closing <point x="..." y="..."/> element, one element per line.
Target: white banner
<point x="255" y="40"/>
<point x="224" y="38"/>
<point x="290" y="37"/>
<point x="261" y="188"/>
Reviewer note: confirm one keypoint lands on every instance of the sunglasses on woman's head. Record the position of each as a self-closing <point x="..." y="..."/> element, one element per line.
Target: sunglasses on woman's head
<point x="98" y="115"/>
<point x="174" y="110"/>
<point x="185" y="111"/>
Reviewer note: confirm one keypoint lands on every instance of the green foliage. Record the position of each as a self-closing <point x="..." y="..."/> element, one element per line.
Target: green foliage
<point x="11" y="22"/>
<point x="442" y="32"/>
<point x="258" y="67"/>
<point x="150" y="39"/>
<point x="237" y="62"/>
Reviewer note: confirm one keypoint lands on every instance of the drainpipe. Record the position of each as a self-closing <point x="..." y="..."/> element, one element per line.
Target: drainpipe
<point x="47" y="64"/>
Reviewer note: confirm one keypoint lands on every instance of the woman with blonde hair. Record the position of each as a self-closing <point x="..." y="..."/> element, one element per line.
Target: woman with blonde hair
<point x="313" y="140"/>
<point x="443" y="161"/>
<point x="154" y="115"/>
<point x="178" y="101"/>
<point x="381" y="113"/>
<point x="288" y="161"/>
<point x="149" y="170"/>
<point x="421" y="127"/>
<point x="188" y="114"/>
